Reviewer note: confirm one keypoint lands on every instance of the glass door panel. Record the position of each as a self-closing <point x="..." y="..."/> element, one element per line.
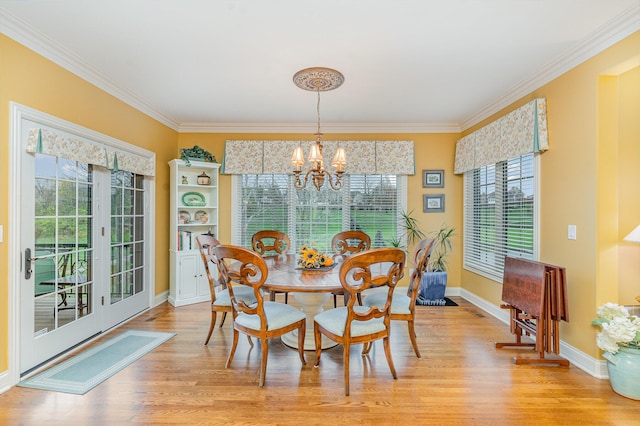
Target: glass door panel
<point x="127" y="235"/>
<point x="57" y="233"/>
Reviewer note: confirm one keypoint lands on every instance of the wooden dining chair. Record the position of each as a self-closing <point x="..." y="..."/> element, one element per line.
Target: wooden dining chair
<point x="271" y="242"/>
<point x="220" y="300"/>
<point x="352" y="324"/>
<point x="264" y="320"/>
<point x="403" y="306"/>
<point x="418" y="252"/>
<point x="344" y="244"/>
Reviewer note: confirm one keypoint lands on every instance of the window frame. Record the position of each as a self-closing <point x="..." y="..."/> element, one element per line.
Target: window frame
<point x="490" y="272"/>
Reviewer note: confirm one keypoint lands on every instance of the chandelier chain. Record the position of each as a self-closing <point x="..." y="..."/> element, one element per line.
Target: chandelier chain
<point x="318" y="110"/>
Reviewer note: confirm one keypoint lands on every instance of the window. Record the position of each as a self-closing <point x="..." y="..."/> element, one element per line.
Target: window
<point x="499" y="215"/>
<point x="371" y="203"/>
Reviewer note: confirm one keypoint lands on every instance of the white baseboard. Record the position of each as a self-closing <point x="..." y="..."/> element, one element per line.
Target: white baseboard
<point x="5" y="384"/>
<point x="160" y="298"/>
<point x="586" y="363"/>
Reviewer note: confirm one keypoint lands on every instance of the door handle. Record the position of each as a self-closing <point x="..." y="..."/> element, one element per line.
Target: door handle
<point x="27" y="263"/>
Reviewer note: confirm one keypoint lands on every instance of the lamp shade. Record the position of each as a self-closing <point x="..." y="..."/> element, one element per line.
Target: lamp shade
<point x="297" y="159"/>
<point x="634" y="235"/>
<point x="340" y="159"/>
<point x="314" y="153"/>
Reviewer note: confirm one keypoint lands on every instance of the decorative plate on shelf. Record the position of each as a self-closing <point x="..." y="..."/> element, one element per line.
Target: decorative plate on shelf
<point x="193" y="199"/>
<point x="184" y="216"/>
<point x="201" y="217"/>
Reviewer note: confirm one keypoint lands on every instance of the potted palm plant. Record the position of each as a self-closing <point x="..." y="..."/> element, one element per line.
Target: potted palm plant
<point x="411" y="230"/>
<point x="434" y="280"/>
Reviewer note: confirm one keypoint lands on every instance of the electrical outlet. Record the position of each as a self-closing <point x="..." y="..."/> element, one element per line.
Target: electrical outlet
<point x="571" y="232"/>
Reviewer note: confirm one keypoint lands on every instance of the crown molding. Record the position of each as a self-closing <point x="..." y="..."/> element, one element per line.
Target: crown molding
<point x="21" y="32"/>
<point x="614" y="31"/>
<point x="188" y="127"/>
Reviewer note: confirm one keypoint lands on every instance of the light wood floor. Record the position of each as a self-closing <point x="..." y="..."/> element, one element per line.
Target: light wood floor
<point x="461" y="379"/>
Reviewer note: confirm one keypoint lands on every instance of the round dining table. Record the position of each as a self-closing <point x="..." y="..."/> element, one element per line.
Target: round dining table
<point x="311" y="288"/>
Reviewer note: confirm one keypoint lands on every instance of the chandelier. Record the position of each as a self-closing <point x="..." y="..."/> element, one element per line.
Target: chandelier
<point x="318" y="79"/>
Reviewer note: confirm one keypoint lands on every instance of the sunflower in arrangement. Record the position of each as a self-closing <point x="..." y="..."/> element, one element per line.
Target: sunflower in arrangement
<point x="311" y="258"/>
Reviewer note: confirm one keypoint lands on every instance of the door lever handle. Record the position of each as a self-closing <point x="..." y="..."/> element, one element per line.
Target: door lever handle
<point x="27" y="263"/>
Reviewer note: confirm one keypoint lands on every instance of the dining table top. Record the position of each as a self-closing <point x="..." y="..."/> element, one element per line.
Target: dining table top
<point x="286" y="275"/>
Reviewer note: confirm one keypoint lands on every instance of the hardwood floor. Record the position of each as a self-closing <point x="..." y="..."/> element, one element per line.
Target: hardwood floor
<point x="461" y="379"/>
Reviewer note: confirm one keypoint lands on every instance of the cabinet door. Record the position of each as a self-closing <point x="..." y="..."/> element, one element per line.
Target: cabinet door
<point x="189" y="265"/>
<point x="203" y="281"/>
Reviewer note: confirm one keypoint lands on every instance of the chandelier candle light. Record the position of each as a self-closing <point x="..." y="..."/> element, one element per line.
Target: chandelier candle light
<point x="318" y="79"/>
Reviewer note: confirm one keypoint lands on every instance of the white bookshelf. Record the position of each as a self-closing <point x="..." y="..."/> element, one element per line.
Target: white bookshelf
<point x="194" y="211"/>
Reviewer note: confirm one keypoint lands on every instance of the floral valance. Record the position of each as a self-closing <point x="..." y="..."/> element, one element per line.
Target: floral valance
<point x="48" y="142"/>
<point x="274" y="157"/>
<point x="520" y="132"/>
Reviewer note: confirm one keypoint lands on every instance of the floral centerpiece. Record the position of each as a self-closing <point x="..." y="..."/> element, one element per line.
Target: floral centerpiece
<point x="311" y="258"/>
<point x="618" y="328"/>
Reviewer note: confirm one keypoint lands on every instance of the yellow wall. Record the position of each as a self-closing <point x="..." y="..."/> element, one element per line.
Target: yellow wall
<point x="629" y="184"/>
<point x="29" y="79"/>
<point x="580" y="186"/>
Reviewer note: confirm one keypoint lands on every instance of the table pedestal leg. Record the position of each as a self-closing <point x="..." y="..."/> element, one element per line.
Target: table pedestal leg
<point x="311" y="304"/>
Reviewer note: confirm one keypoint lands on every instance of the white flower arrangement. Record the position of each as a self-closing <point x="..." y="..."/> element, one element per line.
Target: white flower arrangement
<point x="618" y="328"/>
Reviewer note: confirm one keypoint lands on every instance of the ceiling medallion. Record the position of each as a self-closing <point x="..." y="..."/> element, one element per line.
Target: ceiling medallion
<point x="318" y="79"/>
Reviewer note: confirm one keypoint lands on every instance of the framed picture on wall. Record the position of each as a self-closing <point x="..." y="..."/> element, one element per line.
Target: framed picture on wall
<point x="433" y="178"/>
<point x="433" y="203"/>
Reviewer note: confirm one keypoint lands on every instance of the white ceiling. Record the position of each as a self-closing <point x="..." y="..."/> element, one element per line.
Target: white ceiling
<point x="409" y="65"/>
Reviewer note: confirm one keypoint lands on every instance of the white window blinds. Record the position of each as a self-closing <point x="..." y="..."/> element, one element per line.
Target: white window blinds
<point x="499" y="220"/>
<point x="371" y="203"/>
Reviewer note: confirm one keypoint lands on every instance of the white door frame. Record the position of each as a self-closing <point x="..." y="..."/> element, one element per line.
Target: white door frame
<point x="17" y="114"/>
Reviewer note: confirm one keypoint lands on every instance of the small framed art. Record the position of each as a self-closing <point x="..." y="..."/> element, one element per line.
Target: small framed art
<point x="433" y="178"/>
<point x="433" y="203"/>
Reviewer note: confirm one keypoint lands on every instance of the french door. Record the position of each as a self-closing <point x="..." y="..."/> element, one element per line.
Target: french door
<point x="83" y="245"/>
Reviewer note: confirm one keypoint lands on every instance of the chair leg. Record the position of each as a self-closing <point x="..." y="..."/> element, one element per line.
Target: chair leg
<point x="412" y="336"/>
<point x="286" y="298"/>
<point x="214" y="314"/>
<point x="360" y="299"/>
<point x="272" y="296"/>
<point x="318" y="338"/>
<point x="387" y="352"/>
<point x="335" y="300"/>
<point x="233" y="348"/>
<point x="263" y="363"/>
<point x="346" y="368"/>
<point x="301" y="332"/>
<point x="224" y="317"/>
